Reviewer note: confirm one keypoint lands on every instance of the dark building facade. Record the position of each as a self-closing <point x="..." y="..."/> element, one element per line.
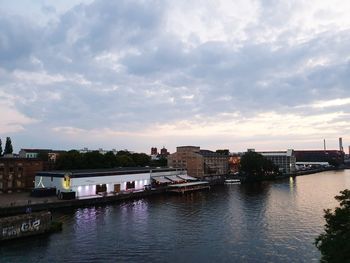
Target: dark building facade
<point x="17" y="174"/>
<point x="154" y="151"/>
<point x="330" y="156"/>
<point x="164" y="152"/>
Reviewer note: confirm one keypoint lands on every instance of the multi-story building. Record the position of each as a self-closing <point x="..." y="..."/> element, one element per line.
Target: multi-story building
<point x="18" y="174"/>
<point x="285" y="160"/>
<point x="199" y="163"/>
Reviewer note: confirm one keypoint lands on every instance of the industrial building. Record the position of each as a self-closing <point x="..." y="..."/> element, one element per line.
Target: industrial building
<point x="17" y="174"/>
<point x="333" y="157"/>
<point x="93" y="182"/>
<point x="199" y="163"/>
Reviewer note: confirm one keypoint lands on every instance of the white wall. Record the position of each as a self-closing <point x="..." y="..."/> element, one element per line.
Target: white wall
<point x="49" y="182"/>
<point x="86" y="186"/>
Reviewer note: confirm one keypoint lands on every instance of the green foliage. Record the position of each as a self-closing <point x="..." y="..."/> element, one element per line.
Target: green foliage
<point x="162" y="162"/>
<point x="256" y="167"/>
<point x="43" y="156"/>
<point x="334" y="244"/>
<point x="95" y="160"/>
<point x="334" y="162"/>
<point x="70" y="160"/>
<point x="8" y="146"/>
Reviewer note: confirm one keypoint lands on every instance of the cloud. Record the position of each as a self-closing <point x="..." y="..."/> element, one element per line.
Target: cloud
<point x="129" y="68"/>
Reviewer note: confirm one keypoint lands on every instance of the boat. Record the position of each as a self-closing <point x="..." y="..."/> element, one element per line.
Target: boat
<point x="232" y="181"/>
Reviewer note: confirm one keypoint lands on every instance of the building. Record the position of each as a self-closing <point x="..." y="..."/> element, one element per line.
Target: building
<point x="33" y="153"/>
<point x="164" y="152"/>
<point x="93" y="182"/>
<point x="154" y="151"/>
<point x="199" y="163"/>
<point x="17" y="174"/>
<point x="52" y="155"/>
<point x="333" y="157"/>
<point x="285" y="160"/>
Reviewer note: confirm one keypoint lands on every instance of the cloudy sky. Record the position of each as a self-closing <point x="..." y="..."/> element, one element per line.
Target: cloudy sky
<point x="129" y="74"/>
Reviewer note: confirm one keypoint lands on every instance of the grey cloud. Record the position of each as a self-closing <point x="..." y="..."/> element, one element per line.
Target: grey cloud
<point x="155" y="79"/>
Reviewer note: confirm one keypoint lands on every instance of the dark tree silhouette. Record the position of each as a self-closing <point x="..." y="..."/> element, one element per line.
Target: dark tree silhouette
<point x="256" y="167"/>
<point x="334" y="242"/>
<point x="8" y="146"/>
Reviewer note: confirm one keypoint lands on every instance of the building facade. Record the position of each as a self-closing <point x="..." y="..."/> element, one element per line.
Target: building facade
<point x="285" y="160"/>
<point x="93" y="182"/>
<point x="17" y="174"/>
<point x="154" y="151"/>
<point x="199" y="163"/>
<point x="333" y="157"/>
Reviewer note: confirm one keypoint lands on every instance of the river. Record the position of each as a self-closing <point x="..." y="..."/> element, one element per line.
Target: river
<point x="267" y="222"/>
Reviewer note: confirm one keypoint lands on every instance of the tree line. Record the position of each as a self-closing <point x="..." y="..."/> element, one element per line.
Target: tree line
<point x="95" y="160"/>
<point x="8" y="147"/>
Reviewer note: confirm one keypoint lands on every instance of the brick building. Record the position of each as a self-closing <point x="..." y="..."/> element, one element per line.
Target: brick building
<point x="18" y="174"/>
<point x="164" y="152"/>
<point x="199" y="163"/>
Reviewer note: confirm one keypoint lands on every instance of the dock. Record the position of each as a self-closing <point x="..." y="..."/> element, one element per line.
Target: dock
<point x="188" y="187"/>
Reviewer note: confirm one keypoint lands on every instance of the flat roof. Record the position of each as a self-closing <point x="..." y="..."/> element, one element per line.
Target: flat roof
<point x="104" y="172"/>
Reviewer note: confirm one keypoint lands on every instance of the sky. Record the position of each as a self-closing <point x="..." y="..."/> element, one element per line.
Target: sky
<point x="133" y="74"/>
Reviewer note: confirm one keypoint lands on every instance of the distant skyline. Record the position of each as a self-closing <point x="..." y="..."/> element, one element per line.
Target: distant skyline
<point x="132" y="74"/>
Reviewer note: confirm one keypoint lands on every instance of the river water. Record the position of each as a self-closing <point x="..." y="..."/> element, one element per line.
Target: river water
<point x="267" y="222"/>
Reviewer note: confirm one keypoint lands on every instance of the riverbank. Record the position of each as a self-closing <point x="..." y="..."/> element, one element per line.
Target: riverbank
<point x="41" y="204"/>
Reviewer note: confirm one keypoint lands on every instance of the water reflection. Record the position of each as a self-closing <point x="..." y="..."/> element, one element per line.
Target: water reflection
<point x="265" y="222"/>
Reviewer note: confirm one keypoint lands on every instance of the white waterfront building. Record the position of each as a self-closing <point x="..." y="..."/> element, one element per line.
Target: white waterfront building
<point x="92" y="182"/>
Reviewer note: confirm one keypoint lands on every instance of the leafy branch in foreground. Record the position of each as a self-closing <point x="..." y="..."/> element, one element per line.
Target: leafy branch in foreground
<point x="334" y="243"/>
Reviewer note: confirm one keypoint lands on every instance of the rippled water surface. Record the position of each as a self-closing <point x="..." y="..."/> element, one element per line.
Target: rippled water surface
<point x="268" y="222"/>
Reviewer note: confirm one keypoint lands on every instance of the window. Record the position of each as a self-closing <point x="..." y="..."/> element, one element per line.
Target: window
<point x="130" y="185"/>
<point x="19" y="183"/>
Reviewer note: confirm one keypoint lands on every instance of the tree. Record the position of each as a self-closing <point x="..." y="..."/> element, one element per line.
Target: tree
<point x="70" y="160"/>
<point x="8" y="146"/>
<point x="141" y="159"/>
<point x="110" y="160"/>
<point x="0" y="147"/>
<point x="334" y="243"/>
<point x="256" y="167"/>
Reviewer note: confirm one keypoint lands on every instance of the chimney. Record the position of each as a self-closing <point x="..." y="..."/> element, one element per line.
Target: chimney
<point x="324" y="145"/>
<point x="341" y="144"/>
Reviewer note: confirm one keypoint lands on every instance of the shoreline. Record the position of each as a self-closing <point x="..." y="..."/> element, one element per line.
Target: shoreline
<point x="46" y="205"/>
